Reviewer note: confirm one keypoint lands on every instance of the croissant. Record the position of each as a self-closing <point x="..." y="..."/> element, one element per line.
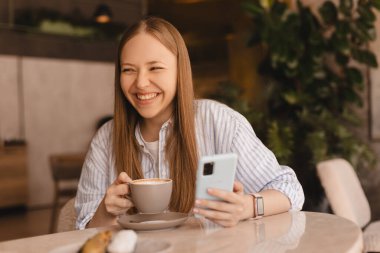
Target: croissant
<point x="97" y="244"/>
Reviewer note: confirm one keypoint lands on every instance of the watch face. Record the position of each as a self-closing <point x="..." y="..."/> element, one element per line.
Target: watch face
<point x="260" y="206"/>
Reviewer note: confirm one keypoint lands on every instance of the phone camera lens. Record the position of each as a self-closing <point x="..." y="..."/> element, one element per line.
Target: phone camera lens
<point x="208" y="168"/>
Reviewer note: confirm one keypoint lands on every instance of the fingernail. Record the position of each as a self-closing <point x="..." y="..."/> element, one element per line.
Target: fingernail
<point x="195" y="210"/>
<point x="197" y="202"/>
<point x="210" y="190"/>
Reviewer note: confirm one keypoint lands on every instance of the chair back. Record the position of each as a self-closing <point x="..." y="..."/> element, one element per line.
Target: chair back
<point x="67" y="217"/>
<point x="344" y="191"/>
<point x="66" y="166"/>
<point x="66" y="170"/>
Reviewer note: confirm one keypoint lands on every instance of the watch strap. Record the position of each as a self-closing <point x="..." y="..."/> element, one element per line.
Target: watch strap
<point x="258" y="205"/>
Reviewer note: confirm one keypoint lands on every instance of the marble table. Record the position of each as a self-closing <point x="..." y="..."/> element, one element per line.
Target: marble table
<point x="287" y="232"/>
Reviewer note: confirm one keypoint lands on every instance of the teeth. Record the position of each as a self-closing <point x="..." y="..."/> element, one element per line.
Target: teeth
<point x="147" y="96"/>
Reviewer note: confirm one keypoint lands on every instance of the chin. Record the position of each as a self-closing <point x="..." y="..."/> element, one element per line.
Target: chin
<point x="147" y="115"/>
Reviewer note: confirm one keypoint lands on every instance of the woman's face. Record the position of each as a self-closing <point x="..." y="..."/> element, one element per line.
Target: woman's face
<point x="149" y="77"/>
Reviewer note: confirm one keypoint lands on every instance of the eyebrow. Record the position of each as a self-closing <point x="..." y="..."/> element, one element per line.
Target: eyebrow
<point x="148" y="63"/>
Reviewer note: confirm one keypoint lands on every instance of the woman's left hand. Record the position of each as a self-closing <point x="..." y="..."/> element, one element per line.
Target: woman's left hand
<point x="233" y="207"/>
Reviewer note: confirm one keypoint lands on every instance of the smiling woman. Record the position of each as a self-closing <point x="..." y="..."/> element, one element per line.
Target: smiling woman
<point x="159" y="130"/>
<point x="148" y="80"/>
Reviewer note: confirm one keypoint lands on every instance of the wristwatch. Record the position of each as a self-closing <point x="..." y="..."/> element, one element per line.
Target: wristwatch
<point x="258" y="205"/>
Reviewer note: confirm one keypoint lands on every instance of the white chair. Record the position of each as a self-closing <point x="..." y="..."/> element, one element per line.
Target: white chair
<point x="67" y="217"/>
<point x="347" y="199"/>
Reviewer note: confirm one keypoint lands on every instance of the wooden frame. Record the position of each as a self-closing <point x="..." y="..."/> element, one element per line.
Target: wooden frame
<point x="374" y="104"/>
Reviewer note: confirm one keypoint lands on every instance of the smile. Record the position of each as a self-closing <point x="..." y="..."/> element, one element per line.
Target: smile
<point x="146" y="96"/>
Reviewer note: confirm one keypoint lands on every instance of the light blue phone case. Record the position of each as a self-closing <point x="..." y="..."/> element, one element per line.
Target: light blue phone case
<point x="223" y="175"/>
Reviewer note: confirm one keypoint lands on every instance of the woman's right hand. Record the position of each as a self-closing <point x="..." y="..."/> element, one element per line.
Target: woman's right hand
<point x="115" y="200"/>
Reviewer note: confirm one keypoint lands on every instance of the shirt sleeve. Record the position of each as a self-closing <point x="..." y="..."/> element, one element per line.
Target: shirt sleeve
<point x="93" y="182"/>
<point x="258" y="168"/>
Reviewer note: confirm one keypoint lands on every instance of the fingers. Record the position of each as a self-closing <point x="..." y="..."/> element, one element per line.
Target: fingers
<point x="212" y="214"/>
<point x="225" y="219"/>
<point x="119" y="190"/>
<point x="119" y="202"/>
<point x="123" y="178"/>
<point x="238" y="188"/>
<point x="218" y="205"/>
<point x="224" y="223"/>
<point x="226" y="196"/>
<point x="115" y="201"/>
<point x="226" y="212"/>
<point x="120" y="185"/>
<point x="116" y="204"/>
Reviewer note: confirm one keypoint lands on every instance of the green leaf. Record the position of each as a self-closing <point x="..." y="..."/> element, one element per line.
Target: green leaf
<point x="317" y="143"/>
<point x="252" y="8"/>
<point x="324" y="92"/>
<point x="292" y="64"/>
<point x="309" y="22"/>
<point x="315" y="38"/>
<point x="254" y="39"/>
<point x="345" y="7"/>
<point x="266" y="4"/>
<point x="350" y="116"/>
<point x="291" y="72"/>
<point x="340" y="44"/>
<point x="342" y="28"/>
<point x="342" y="132"/>
<point x="278" y="8"/>
<point x="361" y="31"/>
<point x="354" y="76"/>
<point x="366" y="14"/>
<point x="372" y="33"/>
<point x="376" y="4"/>
<point x="280" y="141"/>
<point x="291" y="97"/>
<point x="329" y="12"/>
<point x="292" y="22"/>
<point x="342" y="59"/>
<point x="365" y="56"/>
<point x="350" y="96"/>
<point x="319" y="74"/>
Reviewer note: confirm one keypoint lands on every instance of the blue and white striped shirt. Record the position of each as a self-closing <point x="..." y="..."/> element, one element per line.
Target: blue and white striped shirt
<point x="219" y="129"/>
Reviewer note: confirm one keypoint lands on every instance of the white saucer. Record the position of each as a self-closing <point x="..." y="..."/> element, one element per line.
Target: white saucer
<point x="143" y="222"/>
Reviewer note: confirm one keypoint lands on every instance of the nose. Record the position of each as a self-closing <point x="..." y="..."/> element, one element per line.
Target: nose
<point x="142" y="80"/>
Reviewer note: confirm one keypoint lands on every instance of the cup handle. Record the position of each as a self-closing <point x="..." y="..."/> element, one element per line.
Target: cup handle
<point x="128" y="195"/>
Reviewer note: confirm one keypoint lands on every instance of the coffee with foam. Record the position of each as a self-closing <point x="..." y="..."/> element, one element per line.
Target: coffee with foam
<point x="151" y="181"/>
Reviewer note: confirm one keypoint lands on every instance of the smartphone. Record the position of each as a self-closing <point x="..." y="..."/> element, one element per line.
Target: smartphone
<point x="215" y="171"/>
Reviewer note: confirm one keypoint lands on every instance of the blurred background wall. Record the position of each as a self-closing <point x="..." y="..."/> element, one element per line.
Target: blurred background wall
<point x="54" y="88"/>
<point x="53" y="104"/>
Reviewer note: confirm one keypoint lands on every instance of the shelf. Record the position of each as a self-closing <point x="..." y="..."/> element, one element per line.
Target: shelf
<point x="13" y="176"/>
<point x="14" y="42"/>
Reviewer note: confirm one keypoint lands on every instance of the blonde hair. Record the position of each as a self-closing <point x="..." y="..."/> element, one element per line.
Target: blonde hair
<point x="181" y="148"/>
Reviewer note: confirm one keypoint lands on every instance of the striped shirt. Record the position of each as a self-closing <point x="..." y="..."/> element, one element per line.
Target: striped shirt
<point x="219" y="129"/>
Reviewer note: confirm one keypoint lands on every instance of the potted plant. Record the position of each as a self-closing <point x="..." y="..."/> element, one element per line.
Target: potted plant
<point x="314" y="77"/>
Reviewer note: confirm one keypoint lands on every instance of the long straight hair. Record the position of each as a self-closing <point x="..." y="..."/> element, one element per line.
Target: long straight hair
<point x="181" y="149"/>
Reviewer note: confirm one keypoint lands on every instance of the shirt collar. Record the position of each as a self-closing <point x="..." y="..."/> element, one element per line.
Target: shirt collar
<point x="139" y="136"/>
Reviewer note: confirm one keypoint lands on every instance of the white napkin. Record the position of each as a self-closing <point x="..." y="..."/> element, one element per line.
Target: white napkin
<point x="123" y="241"/>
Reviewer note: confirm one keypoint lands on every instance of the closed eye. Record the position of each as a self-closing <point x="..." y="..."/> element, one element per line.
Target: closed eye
<point x="156" y="68"/>
<point x="127" y="70"/>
